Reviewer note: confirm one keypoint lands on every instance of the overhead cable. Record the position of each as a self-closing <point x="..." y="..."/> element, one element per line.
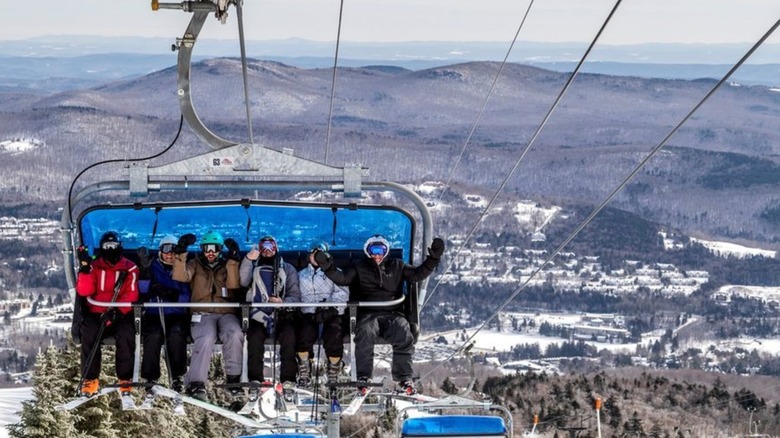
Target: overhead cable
<point x="525" y="150"/>
<point x="617" y="189"/>
<point x="484" y="104"/>
<point x="333" y="84"/>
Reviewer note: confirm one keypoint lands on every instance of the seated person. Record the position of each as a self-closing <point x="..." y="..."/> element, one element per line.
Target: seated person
<point x="173" y="336"/>
<point x="381" y="278"/>
<point x="270" y="280"/>
<point x="316" y="287"/>
<point x="213" y="278"/>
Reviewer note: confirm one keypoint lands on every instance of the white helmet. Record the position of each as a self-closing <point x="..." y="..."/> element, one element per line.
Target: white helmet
<point x="167" y="244"/>
<point x="376" y="245"/>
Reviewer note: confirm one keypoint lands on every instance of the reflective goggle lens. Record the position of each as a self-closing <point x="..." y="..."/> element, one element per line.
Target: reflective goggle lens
<point x="211" y="248"/>
<point x="110" y="245"/>
<point x="267" y="245"/>
<point x="377" y="249"/>
<point x="166" y="248"/>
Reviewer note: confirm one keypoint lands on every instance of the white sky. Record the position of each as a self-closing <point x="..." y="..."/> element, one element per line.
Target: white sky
<point x="636" y="21"/>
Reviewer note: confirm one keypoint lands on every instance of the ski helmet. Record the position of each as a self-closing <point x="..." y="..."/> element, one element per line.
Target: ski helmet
<point x="167" y="244"/>
<point x="319" y="246"/>
<point x="212" y="238"/>
<point x="376" y="245"/>
<point x="110" y="247"/>
<point x="212" y="241"/>
<point x="269" y="242"/>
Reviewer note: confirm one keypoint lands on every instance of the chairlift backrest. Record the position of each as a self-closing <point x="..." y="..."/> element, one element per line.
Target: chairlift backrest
<point x="461" y="426"/>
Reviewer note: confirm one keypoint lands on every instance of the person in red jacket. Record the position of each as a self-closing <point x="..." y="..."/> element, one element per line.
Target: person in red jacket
<point x="109" y="277"/>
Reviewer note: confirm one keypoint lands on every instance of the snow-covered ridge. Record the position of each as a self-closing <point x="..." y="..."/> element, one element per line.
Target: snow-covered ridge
<point x="725" y="249"/>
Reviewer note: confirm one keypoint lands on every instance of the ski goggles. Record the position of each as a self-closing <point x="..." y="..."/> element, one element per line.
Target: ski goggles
<point x="166" y="248"/>
<point x="268" y="245"/>
<point x="377" y="249"/>
<point x="211" y="247"/>
<point x="110" y="245"/>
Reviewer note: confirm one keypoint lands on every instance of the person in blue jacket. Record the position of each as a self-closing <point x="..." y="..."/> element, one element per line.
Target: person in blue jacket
<point x="173" y="335"/>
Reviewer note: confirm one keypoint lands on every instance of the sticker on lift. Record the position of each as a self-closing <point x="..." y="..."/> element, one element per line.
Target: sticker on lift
<point x="223" y="161"/>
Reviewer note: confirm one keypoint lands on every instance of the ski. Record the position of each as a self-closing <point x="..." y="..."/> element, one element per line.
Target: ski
<point x="240" y="419"/>
<point x="254" y="399"/>
<point x="78" y="401"/>
<point x="280" y="404"/>
<point x="356" y="402"/>
<point x="414" y="397"/>
<point x="128" y="404"/>
<point x="178" y="406"/>
<point x="148" y="402"/>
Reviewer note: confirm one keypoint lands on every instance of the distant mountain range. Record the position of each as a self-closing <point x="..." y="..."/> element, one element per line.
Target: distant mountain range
<point x="717" y="177"/>
<point x="72" y="62"/>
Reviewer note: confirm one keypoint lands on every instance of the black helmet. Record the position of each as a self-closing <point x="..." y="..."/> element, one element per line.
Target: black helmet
<point x="110" y="247"/>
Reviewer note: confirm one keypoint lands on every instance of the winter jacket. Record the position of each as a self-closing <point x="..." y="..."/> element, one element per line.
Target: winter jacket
<point x="166" y="288"/>
<point x="383" y="282"/>
<point x="208" y="284"/>
<point x="285" y="285"/>
<point x="316" y="287"/>
<point x="99" y="284"/>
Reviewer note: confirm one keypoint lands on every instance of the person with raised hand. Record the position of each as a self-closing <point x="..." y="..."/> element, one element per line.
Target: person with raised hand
<point x="270" y="280"/>
<point x="174" y="334"/>
<point x="381" y="278"/>
<point x="110" y="277"/>
<point x="213" y="279"/>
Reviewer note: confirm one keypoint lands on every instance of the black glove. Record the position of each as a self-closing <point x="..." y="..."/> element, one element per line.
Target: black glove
<point x="437" y="248"/>
<point x="85" y="261"/>
<point x="415" y="329"/>
<point x="109" y="316"/>
<point x="143" y="257"/>
<point x="324" y="314"/>
<point x="232" y="250"/>
<point x="184" y="241"/>
<point x="163" y="293"/>
<point x="323" y="259"/>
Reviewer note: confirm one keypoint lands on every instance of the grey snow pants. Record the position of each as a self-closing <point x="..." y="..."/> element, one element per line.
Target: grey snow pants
<point x="392" y="327"/>
<point x="213" y="326"/>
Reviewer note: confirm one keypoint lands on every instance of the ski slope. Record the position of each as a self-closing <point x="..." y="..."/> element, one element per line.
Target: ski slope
<point x="10" y="403"/>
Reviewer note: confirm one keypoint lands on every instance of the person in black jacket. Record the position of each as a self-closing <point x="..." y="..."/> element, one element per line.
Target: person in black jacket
<point x="381" y="278"/>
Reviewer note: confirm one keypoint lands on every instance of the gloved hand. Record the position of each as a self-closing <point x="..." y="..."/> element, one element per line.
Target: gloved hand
<point x="164" y="293"/>
<point x="437" y="248"/>
<point x="324" y="314"/>
<point x="109" y="316"/>
<point x="323" y="259"/>
<point x="143" y="257"/>
<point x="184" y="241"/>
<point x="415" y="329"/>
<point x="269" y="323"/>
<point x="232" y="250"/>
<point x="85" y="261"/>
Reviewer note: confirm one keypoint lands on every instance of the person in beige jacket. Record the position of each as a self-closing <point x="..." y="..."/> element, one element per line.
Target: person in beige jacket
<point x="213" y="278"/>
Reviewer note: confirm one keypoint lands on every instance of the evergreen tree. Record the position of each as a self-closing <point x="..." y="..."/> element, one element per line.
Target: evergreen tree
<point x="448" y="387"/>
<point x="38" y="417"/>
<point x="633" y="426"/>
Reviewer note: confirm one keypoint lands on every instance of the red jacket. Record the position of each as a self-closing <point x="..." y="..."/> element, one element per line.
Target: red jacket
<point x="99" y="284"/>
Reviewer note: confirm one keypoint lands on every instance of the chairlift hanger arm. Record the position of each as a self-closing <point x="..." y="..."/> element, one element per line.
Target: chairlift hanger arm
<point x="200" y="11"/>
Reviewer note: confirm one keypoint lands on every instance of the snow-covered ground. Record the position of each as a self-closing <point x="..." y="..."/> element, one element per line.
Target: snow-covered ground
<point x="725" y="249"/>
<point x="10" y="404"/>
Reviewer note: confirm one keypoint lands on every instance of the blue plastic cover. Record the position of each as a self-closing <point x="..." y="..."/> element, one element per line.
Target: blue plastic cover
<point x="454" y="426"/>
<point x="296" y="226"/>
